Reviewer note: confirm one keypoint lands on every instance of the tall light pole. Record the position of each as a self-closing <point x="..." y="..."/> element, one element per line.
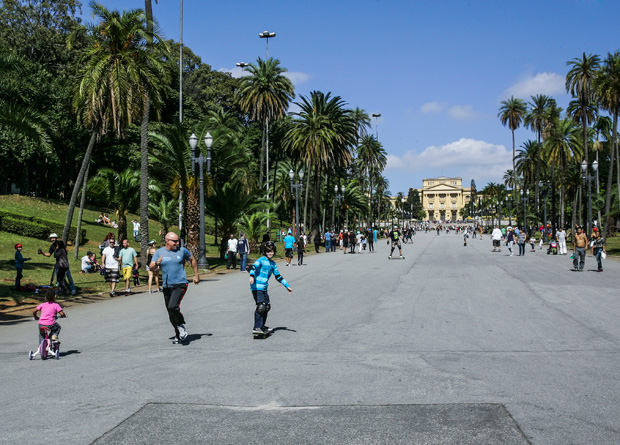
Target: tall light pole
<point x="181" y="119"/>
<point x="339" y="197"/>
<point x="200" y="160"/>
<point x="589" y="178"/>
<point x="267" y="35"/>
<point x="376" y="116"/>
<point x="526" y="194"/>
<point x="298" y="187"/>
<point x="242" y="65"/>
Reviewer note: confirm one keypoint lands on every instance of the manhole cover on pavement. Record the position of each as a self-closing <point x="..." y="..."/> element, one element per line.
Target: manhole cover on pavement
<point x="419" y="424"/>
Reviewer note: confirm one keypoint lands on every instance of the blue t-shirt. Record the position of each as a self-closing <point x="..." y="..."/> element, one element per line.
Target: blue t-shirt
<point x="289" y="240"/>
<point x="172" y="268"/>
<point x="328" y="236"/>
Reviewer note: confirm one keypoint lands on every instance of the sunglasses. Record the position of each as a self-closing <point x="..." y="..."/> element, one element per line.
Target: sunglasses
<point x="174" y="240"/>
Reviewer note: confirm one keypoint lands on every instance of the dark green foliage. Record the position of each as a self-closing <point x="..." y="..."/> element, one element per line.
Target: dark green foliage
<point x="33" y="227"/>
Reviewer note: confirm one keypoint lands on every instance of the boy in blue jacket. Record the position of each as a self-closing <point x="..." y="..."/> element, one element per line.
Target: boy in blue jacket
<point x="260" y="272"/>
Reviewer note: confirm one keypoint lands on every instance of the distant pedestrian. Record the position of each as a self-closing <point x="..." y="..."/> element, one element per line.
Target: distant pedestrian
<point x="521" y="238"/>
<point x="533" y="242"/>
<point x="62" y="266"/>
<point x="598" y="249"/>
<point x="328" y="240"/>
<point x="54" y="239"/>
<point x="289" y="243"/>
<point x="153" y="274"/>
<point x="243" y="248"/>
<point x="317" y="242"/>
<point x="510" y="240"/>
<point x="496" y="238"/>
<point x="19" y="265"/>
<point x="109" y="260"/>
<point x="231" y="252"/>
<point x="301" y="248"/>
<point x="561" y="234"/>
<point x="580" y="244"/>
<point x="129" y="260"/>
<point x="136" y="230"/>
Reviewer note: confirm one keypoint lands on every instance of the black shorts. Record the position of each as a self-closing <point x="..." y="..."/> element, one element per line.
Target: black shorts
<point x="289" y="253"/>
<point x="496" y="243"/>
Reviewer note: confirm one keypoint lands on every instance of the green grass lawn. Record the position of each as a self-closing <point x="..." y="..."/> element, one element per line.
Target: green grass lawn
<point x="38" y="271"/>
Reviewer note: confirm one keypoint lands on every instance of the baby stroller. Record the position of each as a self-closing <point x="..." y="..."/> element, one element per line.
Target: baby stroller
<point x="553" y="247"/>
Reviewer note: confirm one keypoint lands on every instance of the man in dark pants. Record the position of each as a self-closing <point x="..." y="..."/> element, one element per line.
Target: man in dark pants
<point x="171" y="259"/>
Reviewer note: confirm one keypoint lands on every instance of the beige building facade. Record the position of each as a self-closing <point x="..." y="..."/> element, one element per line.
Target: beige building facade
<point x="444" y="198"/>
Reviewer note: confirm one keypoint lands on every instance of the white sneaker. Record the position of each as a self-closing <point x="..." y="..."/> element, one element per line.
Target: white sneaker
<point x="182" y="332"/>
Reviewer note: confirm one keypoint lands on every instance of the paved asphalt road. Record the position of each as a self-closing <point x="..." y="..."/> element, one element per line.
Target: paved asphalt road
<point x="453" y="344"/>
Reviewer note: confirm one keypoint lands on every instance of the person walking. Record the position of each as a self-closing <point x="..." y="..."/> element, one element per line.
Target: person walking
<point x="579" y="253"/>
<point x="54" y="239"/>
<point x="301" y="248"/>
<point x="510" y="240"/>
<point x="62" y="266"/>
<point x="598" y="248"/>
<point x="19" y="265"/>
<point x="496" y="237"/>
<point x="561" y="234"/>
<point x="136" y="230"/>
<point x="521" y="241"/>
<point x="243" y="248"/>
<point x="328" y="240"/>
<point x="289" y="243"/>
<point x="231" y="252"/>
<point x="109" y="259"/>
<point x="171" y="259"/>
<point x="153" y="274"/>
<point x="129" y="260"/>
<point x="317" y="242"/>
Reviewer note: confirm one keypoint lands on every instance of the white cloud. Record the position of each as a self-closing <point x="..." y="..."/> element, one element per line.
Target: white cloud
<point x="463" y="113"/>
<point x="462" y="155"/>
<point x="541" y="83"/>
<point x="297" y="77"/>
<point x="432" y="107"/>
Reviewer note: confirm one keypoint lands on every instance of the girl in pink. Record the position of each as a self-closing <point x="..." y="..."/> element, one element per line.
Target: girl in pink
<point x="49" y="309"/>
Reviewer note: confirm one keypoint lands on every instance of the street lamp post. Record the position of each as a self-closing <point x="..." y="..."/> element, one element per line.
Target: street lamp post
<point x="509" y="205"/>
<point x="298" y="187"/>
<point x="376" y="116"/>
<point x="267" y="35"/>
<point x="200" y="160"/>
<point x="526" y="194"/>
<point x="339" y="197"/>
<point x="589" y="178"/>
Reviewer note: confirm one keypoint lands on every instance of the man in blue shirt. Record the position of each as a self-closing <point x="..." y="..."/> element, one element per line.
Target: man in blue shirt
<point x="328" y="240"/>
<point x="289" y="241"/>
<point x="171" y="259"/>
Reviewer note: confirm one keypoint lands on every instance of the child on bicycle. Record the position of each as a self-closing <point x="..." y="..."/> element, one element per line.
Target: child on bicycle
<point x="49" y="311"/>
<point x="260" y="272"/>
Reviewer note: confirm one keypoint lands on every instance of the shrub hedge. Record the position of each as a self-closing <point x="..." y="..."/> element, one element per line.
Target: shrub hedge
<point x="34" y="227"/>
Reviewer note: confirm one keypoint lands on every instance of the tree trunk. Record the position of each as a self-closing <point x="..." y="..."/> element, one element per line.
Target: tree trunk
<point x="610" y="181"/>
<point x="122" y="226"/>
<point x="79" y="221"/>
<point x="144" y="178"/>
<point x="262" y="159"/>
<point x="306" y="199"/>
<point x="193" y="221"/>
<point x="76" y="186"/>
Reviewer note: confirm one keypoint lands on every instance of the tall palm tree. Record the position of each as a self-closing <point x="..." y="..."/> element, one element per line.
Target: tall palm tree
<point x="166" y="211"/>
<point x="512" y="113"/>
<point x="322" y="135"/>
<point x="536" y="121"/>
<point x="152" y="44"/>
<point x="265" y="95"/>
<point x="561" y="148"/>
<point x="607" y="86"/>
<point x="362" y="123"/>
<point x="579" y="83"/>
<point x="372" y="158"/>
<point x="115" y="72"/>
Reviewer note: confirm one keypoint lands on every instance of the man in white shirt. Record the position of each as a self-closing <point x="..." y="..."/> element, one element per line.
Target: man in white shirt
<point x="496" y="237"/>
<point x="232" y="252"/>
<point x="109" y="260"/>
<point x="136" y="229"/>
<point x="562" y="241"/>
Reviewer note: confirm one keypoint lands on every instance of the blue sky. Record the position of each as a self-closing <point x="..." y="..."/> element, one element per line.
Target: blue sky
<point x="436" y="70"/>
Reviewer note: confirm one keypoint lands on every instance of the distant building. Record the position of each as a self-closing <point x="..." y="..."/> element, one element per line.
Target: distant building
<point x="443" y="199"/>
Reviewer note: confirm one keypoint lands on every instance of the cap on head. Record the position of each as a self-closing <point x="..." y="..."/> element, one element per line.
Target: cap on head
<point x="53" y="235"/>
<point x="18" y="245"/>
<point x="151" y="242"/>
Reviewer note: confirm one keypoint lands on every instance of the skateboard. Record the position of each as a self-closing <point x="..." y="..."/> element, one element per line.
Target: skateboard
<point x="396" y="258"/>
<point x="263" y="335"/>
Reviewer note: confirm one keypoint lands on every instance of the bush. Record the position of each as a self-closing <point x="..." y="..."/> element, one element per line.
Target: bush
<point x="33" y="227"/>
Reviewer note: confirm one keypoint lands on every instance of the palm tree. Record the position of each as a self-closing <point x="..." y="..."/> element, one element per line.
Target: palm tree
<point x="579" y="83"/>
<point x="372" y="158"/>
<point x="607" y="86"/>
<point x="512" y="113"/>
<point x="561" y="148"/>
<point x="166" y="211"/>
<point x="322" y="136"/>
<point x="265" y="96"/>
<point x="536" y="121"/>
<point x="119" y="190"/>
<point x="115" y="73"/>
<point x="362" y="123"/>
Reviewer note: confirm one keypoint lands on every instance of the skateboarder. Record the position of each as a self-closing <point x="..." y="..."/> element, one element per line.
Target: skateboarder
<point x="260" y="272"/>
<point x="394" y="237"/>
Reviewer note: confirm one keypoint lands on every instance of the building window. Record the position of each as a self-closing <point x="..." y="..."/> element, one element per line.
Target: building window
<point x="453" y="182"/>
<point x="442" y="205"/>
<point x="430" y="205"/>
<point x="454" y="205"/>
